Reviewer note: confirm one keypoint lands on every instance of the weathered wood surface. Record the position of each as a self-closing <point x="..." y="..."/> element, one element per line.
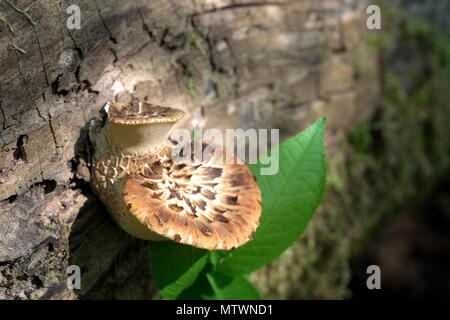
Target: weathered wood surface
<point x="249" y="64"/>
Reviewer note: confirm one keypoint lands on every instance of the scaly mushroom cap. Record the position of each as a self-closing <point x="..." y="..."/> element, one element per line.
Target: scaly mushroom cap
<point x="206" y="203"/>
<point x="142" y="113"/>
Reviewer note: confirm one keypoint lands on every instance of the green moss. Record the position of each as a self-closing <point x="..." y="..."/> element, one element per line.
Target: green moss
<point x="411" y="138"/>
<point x="410" y="133"/>
<point x="5" y="246"/>
<point x="360" y="138"/>
<point x="192" y="39"/>
<point x="385" y="165"/>
<point x="66" y="256"/>
<point x="48" y="228"/>
<point x="192" y="87"/>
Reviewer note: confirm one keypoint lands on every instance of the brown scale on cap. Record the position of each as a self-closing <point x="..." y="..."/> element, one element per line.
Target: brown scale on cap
<point x="206" y="204"/>
<point x="217" y="207"/>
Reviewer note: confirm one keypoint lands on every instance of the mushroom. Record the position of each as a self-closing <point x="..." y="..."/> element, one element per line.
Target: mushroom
<point x="207" y="204"/>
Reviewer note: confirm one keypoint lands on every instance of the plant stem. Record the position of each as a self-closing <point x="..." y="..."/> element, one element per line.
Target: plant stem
<point x="7" y="23"/>
<point x="23" y="12"/>
<point x="18" y="49"/>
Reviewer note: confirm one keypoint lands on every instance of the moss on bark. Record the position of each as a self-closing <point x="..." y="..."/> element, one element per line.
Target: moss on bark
<point x="385" y="165"/>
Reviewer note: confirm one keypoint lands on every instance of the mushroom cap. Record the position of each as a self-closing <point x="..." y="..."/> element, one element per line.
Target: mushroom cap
<point x="138" y="112"/>
<point x="206" y="204"/>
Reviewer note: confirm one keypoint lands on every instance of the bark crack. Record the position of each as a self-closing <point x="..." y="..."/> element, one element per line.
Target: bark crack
<point x="3" y="116"/>
<point x="42" y="56"/>
<point x="146" y="27"/>
<point x="114" y="53"/>
<point x="1" y="110"/>
<point x="52" y="130"/>
<point x="111" y="37"/>
<point x="27" y="89"/>
<point x="39" y="113"/>
<point x="138" y="50"/>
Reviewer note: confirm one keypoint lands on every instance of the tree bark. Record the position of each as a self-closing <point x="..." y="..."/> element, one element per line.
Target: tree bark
<point x="245" y="63"/>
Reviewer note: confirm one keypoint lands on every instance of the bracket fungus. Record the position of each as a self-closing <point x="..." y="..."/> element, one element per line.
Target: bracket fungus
<point x="205" y="203"/>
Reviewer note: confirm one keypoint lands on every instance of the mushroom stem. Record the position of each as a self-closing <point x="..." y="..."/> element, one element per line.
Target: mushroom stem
<point x="139" y="139"/>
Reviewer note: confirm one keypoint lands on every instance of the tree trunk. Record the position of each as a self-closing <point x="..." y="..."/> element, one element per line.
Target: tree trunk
<point x="248" y="64"/>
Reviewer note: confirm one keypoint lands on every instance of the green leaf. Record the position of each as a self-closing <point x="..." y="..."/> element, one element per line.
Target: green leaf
<point x="200" y="290"/>
<point x="175" y="266"/>
<point x="217" y="256"/>
<point x="227" y="288"/>
<point x="290" y="198"/>
<point x="217" y="286"/>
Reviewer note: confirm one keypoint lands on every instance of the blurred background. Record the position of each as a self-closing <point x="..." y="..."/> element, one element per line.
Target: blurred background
<point x="388" y="199"/>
